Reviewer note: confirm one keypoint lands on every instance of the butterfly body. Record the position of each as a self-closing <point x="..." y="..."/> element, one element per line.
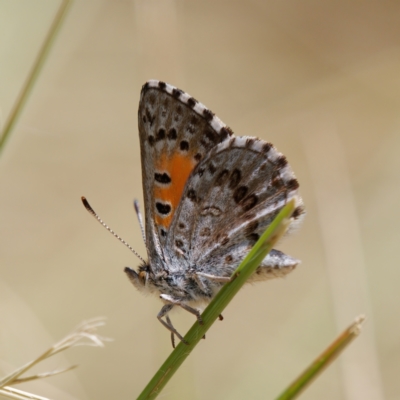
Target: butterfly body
<point x="208" y="197"/>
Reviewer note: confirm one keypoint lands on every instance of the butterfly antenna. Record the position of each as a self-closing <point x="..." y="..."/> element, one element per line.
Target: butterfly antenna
<point x="139" y="216"/>
<point x="91" y="211"/>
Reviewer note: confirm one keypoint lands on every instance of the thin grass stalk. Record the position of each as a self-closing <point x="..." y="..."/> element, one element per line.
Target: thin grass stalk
<point x="218" y="304"/>
<point x="15" y="374"/>
<point x="323" y="360"/>
<point x="34" y="72"/>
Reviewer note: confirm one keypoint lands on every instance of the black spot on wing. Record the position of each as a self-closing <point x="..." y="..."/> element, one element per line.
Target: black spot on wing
<point x="211" y="168"/>
<point x="224" y="240"/>
<point x="191" y="194"/>
<point x="172" y="135"/>
<point x="222" y="177"/>
<point x="249" y="142"/>
<point x="177" y="93"/>
<point x="235" y="178"/>
<point x="208" y="115"/>
<point x="249" y="202"/>
<point x="225" y="132"/>
<point x="266" y="147"/>
<point x="200" y="172"/>
<point x="191" y="102"/>
<point x="198" y="157"/>
<point x="150" y="118"/>
<point x="240" y="193"/>
<point x="160" y="134"/>
<point x="297" y="212"/>
<point x="276" y="182"/>
<point x="281" y="162"/>
<point x="253" y="237"/>
<point x="293" y="184"/>
<point x="251" y="227"/>
<point x="162" y="178"/>
<point x="184" y="145"/>
<point x="163" y="208"/>
<point x="211" y="135"/>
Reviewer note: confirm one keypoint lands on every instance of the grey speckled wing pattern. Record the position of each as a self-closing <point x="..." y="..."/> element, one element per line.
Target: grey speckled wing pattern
<point x="208" y="195"/>
<point x="229" y="200"/>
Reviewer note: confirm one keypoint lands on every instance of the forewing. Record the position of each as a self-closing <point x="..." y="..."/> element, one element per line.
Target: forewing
<point x="176" y="132"/>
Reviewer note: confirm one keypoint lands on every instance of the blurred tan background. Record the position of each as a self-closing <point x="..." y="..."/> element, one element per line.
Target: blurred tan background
<point x="320" y="80"/>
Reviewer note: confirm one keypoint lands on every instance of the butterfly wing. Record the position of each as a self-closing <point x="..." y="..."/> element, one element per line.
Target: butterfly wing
<point x="231" y="197"/>
<point x="176" y="132"/>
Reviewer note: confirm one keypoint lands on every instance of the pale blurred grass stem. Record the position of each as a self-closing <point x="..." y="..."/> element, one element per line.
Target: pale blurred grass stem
<point x="34" y="72"/>
<point x="341" y="237"/>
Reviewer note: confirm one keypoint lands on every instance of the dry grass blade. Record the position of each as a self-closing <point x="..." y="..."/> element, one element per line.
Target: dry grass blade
<point x="11" y="393"/>
<point x="44" y="374"/>
<point x="84" y="334"/>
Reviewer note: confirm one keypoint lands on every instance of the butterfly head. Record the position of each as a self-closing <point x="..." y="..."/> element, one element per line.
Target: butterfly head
<point x="143" y="279"/>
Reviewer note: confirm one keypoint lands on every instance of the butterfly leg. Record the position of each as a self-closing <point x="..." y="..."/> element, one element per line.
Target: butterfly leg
<point x="172" y="333"/>
<point x="164" y="311"/>
<point x="174" y="301"/>
<point x="215" y="278"/>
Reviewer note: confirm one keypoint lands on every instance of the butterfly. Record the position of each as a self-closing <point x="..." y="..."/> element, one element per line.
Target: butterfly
<point x="208" y="196"/>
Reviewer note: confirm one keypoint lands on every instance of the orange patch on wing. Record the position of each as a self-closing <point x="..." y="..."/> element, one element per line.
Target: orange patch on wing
<point x="179" y="168"/>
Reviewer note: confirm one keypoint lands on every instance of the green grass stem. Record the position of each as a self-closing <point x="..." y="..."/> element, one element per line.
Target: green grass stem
<point x="218" y="304"/>
<point x="322" y="361"/>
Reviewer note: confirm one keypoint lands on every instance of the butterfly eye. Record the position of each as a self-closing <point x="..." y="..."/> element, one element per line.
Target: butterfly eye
<point x="143" y="277"/>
